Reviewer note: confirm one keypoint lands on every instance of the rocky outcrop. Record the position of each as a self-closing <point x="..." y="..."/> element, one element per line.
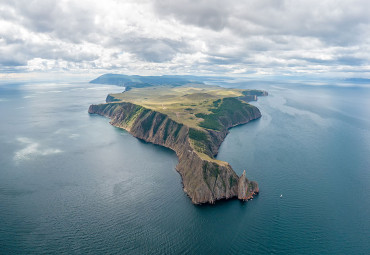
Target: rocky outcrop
<point x="246" y="189"/>
<point x="205" y="179"/>
<point x="254" y="92"/>
<point x="249" y="98"/>
<point x="110" y="99"/>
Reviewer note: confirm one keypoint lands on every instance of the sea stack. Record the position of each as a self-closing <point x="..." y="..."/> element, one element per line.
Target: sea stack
<point x="246" y="189"/>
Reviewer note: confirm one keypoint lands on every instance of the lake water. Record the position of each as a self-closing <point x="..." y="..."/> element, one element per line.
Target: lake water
<point x="71" y="183"/>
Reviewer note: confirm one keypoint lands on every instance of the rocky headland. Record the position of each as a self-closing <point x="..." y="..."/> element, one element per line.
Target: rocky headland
<point x="205" y="179"/>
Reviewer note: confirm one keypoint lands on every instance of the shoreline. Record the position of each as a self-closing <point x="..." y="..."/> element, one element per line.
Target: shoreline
<point x="220" y="181"/>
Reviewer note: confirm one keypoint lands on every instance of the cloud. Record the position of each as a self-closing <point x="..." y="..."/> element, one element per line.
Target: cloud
<point x="152" y="49"/>
<point x="32" y="149"/>
<point x="186" y="36"/>
<point x="209" y="14"/>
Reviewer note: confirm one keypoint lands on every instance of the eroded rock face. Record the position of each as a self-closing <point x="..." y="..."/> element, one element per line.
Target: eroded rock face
<point x="246" y="189"/>
<point x="205" y="181"/>
<point x="110" y="99"/>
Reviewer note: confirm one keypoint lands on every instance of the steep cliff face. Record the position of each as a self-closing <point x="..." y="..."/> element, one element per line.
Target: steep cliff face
<point x="246" y="189"/>
<point x="110" y="99"/>
<point x="238" y="117"/>
<point x="204" y="179"/>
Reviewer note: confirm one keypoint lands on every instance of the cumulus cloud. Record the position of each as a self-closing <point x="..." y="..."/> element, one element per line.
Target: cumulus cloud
<point x="186" y="36"/>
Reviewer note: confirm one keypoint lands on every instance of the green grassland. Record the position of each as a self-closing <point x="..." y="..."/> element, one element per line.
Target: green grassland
<point x="187" y="104"/>
<point x="198" y="106"/>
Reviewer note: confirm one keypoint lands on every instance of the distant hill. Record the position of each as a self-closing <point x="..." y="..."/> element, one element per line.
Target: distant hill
<point x="137" y="81"/>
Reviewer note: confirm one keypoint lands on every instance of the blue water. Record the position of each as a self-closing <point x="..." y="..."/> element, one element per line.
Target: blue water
<point x="72" y="183"/>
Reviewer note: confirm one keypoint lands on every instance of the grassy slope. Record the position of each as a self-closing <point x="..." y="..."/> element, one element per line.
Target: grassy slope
<point x="181" y="104"/>
<point x="196" y="106"/>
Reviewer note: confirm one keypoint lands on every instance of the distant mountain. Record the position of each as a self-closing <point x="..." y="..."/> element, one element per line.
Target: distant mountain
<point x="137" y="81"/>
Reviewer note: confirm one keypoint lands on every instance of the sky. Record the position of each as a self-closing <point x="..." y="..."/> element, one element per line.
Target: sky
<point x="248" y="38"/>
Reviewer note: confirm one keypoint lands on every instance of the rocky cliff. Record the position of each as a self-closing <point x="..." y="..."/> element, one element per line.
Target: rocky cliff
<point x="204" y="178"/>
<point x="246" y="189"/>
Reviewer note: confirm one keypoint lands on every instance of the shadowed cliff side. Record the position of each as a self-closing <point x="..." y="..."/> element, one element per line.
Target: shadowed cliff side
<point x="204" y="178"/>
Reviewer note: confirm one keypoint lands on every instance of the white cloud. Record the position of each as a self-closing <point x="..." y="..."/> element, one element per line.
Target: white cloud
<point x="185" y="36"/>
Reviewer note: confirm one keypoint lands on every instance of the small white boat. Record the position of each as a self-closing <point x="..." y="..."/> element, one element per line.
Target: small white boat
<point x="281" y="195"/>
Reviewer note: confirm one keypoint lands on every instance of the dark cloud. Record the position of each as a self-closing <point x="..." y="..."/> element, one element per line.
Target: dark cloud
<point x="155" y="50"/>
<point x="352" y="61"/>
<point x="202" y="13"/>
<point x="150" y="49"/>
<point x="72" y="20"/>
<point x="13" y="62"/>
<point x="334" y="22"/>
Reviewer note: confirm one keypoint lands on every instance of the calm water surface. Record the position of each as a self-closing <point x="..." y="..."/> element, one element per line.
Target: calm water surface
<point x="71" y="183"/>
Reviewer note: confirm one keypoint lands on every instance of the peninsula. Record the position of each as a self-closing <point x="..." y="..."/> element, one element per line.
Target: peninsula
<point x="190" y="118"/>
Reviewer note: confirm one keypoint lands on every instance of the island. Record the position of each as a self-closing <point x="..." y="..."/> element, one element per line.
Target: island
<point x="190" y="118"/>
